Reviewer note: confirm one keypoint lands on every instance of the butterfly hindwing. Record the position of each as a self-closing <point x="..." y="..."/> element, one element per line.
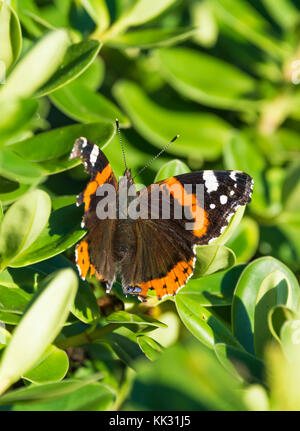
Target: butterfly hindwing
<point x="164" y="256"/>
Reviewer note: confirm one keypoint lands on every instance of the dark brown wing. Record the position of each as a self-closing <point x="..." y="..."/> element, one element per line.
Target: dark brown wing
<point x="94" y="254"/>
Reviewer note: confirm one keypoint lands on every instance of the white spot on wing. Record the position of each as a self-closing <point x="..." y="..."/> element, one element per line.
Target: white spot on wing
<point x="94" y="155"/>
<point x="223" y="199"/>
<point x="211" y="182"/>
<point x="212" y="206"/>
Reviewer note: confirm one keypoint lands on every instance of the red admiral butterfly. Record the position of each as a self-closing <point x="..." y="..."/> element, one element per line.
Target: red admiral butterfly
<point x="153" y="252"/>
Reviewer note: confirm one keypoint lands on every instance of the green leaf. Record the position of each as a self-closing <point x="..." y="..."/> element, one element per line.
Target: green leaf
<point x="201" y="322"/>
<point x="124" y="344"/>
<point x="203" y="17"/>
<point x="171" y="169"/>
<point x="15" y="168"/>
<point x="212" y="259"/>
<point x="215" y="289"/>
<point x="93" y="76"/>
<point x="39" y="327"/>
<point x="250" y="290"/>
<point x="244" y="240"/>
<point x="206" y="79"/>
<point x="12" y="190"/>
<point x="240" y="18"/>
<point x="277" y="316"/>
<point x="201" y="134"/>
<point x="150" y="347"/>
<point x="22" y="224"/>
<point x="15" y="117"/>
<point x="141" y="12"/>
<point x="128" y="318"/>
<point x="77" y="59"/>
<point x="283" y="12"/>
<point x="150" y="38"/>
<point x="91" y="397"/>
<point x="46" y="391"/>
<point x="189" y="377"/>
<point x="291" y="188"/>
<point x="52" y="149"/>
<point x="239" y="155"/>
<point x="13" y="302"/>
<point x="85" y="306"/>
<point x="240" y="364"/>
<point x="10" y="36"/>
<point x="82" y="104"/>
<point x="97" y="9"/>
<point x="52" y="367"/>
<point x="37" y="66"/>
<point x="63" y="231"/>
<point x="290" y="341"/>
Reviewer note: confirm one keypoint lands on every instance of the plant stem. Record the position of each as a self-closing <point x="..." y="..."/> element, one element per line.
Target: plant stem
<point x="87" y="337"/>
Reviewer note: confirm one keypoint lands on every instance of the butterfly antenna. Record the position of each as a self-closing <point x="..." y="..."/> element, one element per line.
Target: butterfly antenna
<point x="121" y="142"/>
<point x="157" y="155"/>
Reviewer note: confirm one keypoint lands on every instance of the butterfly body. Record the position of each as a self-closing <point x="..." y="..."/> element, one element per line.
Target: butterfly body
<point x="149" y="237"/>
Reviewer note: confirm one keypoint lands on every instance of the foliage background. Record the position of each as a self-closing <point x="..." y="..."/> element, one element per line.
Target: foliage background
<point x="223" y="74"/>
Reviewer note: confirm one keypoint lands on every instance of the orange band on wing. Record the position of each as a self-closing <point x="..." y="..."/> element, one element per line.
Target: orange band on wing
<point x="83" y="261"/>
<point x="189" y="200"/>
<point x="171" y="282"/>
<point x="101" y="178"/>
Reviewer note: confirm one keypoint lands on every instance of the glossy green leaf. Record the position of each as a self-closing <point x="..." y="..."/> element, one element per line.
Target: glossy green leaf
<point x="85" y="306"/>
<point x="273" y="290"/>
<point x="202" y="135"/>
<point x="202" y="323"/>
<point x="241" y="18"/>
<point x="63" y="231"/>
<point x="249" y="291"/>
<point x="13" y="302"/>
<point x="82" y="104"/>
<point x="98" y="11"/>
<point x="52" y="367"/>
<point x="127" y="318"/>
<point x="215" y="289"/>
<point x="277" y="316"/>
<point x="290" y="340"/>
<point x="212" y="259"/>
<point x="12" y="190"/>
<point x="140" y="12"/>
<point x="15" y="117"/>
<point x="37" y="66"/>
<point x="171" y="169"/>
<point x="52" y="149"/>
<point x="93" y="76"/>
<point x="188" y="377"/>
<point x="150" y="38"/>
<point x="240" y="364"/>
<point x="39" y="327"/>
<point x="239" y="155"/>
<point x="150" y="347"/>
<point x="15" y="168"/>
<point x="206" y="79"/>
<point x="10" y="36"/>
<point x="46" y="391"/>
<point x="91" y="397"/>
<point x="124" y="344"/>
<point x="244" y="240"/>
<point x="77" y="59"/>
<point x="22" y="224"/>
